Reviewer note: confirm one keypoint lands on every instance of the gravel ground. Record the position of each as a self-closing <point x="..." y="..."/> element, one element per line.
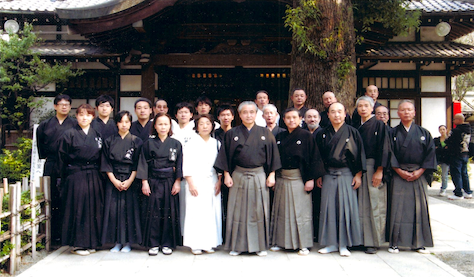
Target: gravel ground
<point x="27" y="261"/>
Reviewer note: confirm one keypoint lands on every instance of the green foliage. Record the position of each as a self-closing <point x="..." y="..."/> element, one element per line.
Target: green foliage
<point x="15" y="164"/>
<point x="462" y="84"/>
<point x="392" y="15"/>
<point x="302" y="21"/>
<point x="6" y="248"/>
<point x="22" y="74"/>
<point x="343" y="69"/>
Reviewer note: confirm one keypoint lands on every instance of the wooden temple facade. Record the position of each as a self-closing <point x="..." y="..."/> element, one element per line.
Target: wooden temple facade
<point x="228" y="49"/>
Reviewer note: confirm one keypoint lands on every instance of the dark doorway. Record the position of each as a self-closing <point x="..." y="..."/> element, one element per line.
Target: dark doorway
<point x="223" y="85"/>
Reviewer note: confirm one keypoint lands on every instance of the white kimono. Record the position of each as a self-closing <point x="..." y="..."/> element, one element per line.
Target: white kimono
<point x="203" y="222"/>
<point x="183" y="135"/>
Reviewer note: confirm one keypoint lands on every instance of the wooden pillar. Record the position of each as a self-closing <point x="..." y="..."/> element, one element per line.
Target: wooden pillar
<point x="449" y="100"/>
<point x="148" y="82"/>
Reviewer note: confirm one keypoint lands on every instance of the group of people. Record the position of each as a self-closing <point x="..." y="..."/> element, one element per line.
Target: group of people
<point x="280" y="183"/>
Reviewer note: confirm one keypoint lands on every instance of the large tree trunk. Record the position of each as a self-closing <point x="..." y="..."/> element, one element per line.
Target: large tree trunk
<point x="317" y="75"/>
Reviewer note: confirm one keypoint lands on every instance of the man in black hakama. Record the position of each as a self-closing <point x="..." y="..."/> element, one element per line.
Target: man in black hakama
<point x="372" y="92"/>
<point x="248" y="158"/>
<point x="292" y="220"/>
<point x="342" y="151"/>
<point x="413" y="159"/>
<point x="48" y="134"/>
<point x="328" y="98"/>
<point x="372" y="194"/>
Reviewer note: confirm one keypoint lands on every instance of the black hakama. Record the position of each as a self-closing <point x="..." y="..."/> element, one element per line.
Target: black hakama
<point x="161" y="164"/>
<point x="343" y="156"/>
<point x="47" y="135"/>
<point x="79" y="156"/>
<point x="249" y="156"/>
<point x="409" y="219"/>
<point x="121" y="208"/>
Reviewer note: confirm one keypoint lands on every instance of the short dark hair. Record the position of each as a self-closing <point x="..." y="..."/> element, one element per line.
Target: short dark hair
<point x="199" y="117"/>
<point x="262" y="91"/>
<point x="143" y="100"/>
<point x="224" y="107"/>
<point x="182" y="105"/>
<point x="60" y="97"/>
<point x="104" y="99"/>
<point x="153" y="130"/>
<point x="88" y="108"/>
<point x="203" y="99"/>
<point x="293" y="92"/>
<point x="118" y="117"/>
<point x="291" y="109"/>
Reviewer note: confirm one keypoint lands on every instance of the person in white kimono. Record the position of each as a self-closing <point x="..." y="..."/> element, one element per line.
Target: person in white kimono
<point x="183" y="133"/>
<point x="203" y="222"/>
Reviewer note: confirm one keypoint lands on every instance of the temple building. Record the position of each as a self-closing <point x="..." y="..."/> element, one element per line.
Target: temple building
<point x="228" y="49"/>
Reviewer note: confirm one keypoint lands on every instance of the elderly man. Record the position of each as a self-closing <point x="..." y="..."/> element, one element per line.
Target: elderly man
<point x="312" y="119"/>
<point x="372" y="92"/>
<point x="270" y="114"/>
<point x="248" y="158"/>
<point x="372" y="194"/>
<point x="458" y="145"/>
<point x="383" y="114"/>
<point x="328" y="98"/>
<point x="342" y="151"/>
<point x="413" y="158"/>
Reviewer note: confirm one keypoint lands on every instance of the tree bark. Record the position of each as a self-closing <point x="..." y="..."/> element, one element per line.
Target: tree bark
<point x="317" y="75"/>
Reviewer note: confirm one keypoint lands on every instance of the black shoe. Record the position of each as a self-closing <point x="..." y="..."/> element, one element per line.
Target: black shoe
<point x="371" y="250"/>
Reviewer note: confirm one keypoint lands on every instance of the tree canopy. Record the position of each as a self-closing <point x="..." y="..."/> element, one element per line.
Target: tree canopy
<point x="22" y="74"/>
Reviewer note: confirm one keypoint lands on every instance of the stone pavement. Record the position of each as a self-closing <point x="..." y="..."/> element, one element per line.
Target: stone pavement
<point x="453" y="230"/>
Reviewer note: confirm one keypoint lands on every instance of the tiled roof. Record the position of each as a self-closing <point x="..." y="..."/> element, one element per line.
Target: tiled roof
<point x="47" y="5"/>
<point x="76" y="49"/>
<point x="421" y="50"/>
<point x="435" y="6"/>
<point x="428" y="6"/>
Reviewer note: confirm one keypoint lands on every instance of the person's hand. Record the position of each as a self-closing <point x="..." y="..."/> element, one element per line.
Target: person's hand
<point x="228" y="179"/>
<point x="217" y="187"/>
<point x="176" y="187"/>
<point x="192" y="189"/>
<point x="271" y="179"/>
<point x="146" y="188"/>
<point x="377" y="177"/>
<point x="319" y="182"/>
<point x="416" y="174"/>
<point x="309" y="185"/>
<point x="357" y="180"/>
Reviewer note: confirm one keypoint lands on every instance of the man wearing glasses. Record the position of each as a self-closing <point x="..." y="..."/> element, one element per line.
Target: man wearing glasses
<point x="48" y="134"/>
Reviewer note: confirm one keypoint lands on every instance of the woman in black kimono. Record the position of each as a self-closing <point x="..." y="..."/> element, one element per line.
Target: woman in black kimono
<point x="160" y="168"/>
<point x="82" y="188"/>
<point x="122" y="210"/>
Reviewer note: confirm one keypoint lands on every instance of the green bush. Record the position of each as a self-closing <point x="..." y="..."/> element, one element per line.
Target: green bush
<point x="15" y="164"/>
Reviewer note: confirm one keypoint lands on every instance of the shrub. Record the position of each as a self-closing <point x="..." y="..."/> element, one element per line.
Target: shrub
<point x="15" y="164"/>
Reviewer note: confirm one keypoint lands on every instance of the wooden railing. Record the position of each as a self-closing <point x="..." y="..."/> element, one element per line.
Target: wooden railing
<point x="39" y="224"/>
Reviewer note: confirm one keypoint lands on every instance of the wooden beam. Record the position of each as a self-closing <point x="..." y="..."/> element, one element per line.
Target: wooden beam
<point x="221" y="60"/>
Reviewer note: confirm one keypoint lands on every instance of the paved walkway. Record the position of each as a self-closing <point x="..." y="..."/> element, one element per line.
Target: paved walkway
<point x="453" y="230"/>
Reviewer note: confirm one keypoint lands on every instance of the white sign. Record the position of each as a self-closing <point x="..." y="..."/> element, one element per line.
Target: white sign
<point x="37" y="164"/>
